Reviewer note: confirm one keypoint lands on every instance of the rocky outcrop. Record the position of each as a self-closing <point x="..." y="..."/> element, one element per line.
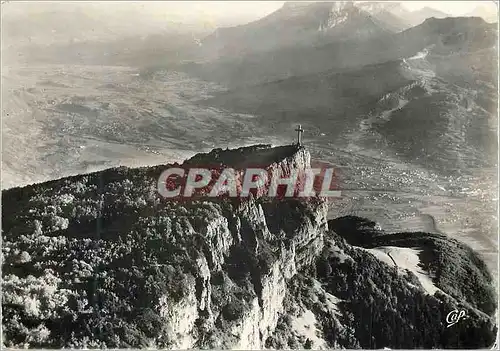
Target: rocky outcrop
<point x="102" y="260"/>
<point x="217" y="270"/>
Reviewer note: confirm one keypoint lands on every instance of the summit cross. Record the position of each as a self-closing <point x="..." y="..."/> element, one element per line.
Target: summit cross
<point x="299" y="131"/>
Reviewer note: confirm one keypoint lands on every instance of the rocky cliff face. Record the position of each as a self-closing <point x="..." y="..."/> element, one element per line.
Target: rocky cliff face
<point x="102" y="260"/>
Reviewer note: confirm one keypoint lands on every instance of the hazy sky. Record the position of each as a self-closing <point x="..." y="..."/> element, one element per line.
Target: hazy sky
<point x="252" y="9"/>
<point x="214" y="13"/>
<point x="451" y="7"/>
<point x="260" y="8"/>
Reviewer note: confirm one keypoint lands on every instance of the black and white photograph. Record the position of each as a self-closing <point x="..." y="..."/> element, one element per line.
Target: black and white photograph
<point x="249" y="175"/>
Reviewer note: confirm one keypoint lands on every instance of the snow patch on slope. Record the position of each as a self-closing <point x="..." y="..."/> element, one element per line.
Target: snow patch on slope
<point x="405" y="259"/>
<point x="305" y="325"/>
<point x="420" y="55"/>
<point x="420" y="68"/>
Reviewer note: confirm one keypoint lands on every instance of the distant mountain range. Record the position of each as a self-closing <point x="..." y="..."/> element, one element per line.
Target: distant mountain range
<point x="299" y="23"/>
<point x="422" y="91"/>
<point x="67" y="23"/>
<point x="418" y="16"/>
<point x="331" y="63"/>
<point x="445" y="36"/>
<point x="488" y="13"/>
<point x="65" y="32"/>
<point x="304" y="22"/>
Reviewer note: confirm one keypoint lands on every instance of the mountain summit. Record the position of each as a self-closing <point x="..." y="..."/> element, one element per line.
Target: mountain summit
<point x="297" y="23"/>
<point x="419" y="16"/>
<point x="312" y="23"/>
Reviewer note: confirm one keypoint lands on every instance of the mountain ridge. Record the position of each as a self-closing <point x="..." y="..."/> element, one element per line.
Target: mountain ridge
<point x="446" y="35"/>
<point x="350" y="100"/>
<point x="296" y="24"/>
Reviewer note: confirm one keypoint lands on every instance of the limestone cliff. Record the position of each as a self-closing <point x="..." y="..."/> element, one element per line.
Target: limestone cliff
<point x="102" y="260"/>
